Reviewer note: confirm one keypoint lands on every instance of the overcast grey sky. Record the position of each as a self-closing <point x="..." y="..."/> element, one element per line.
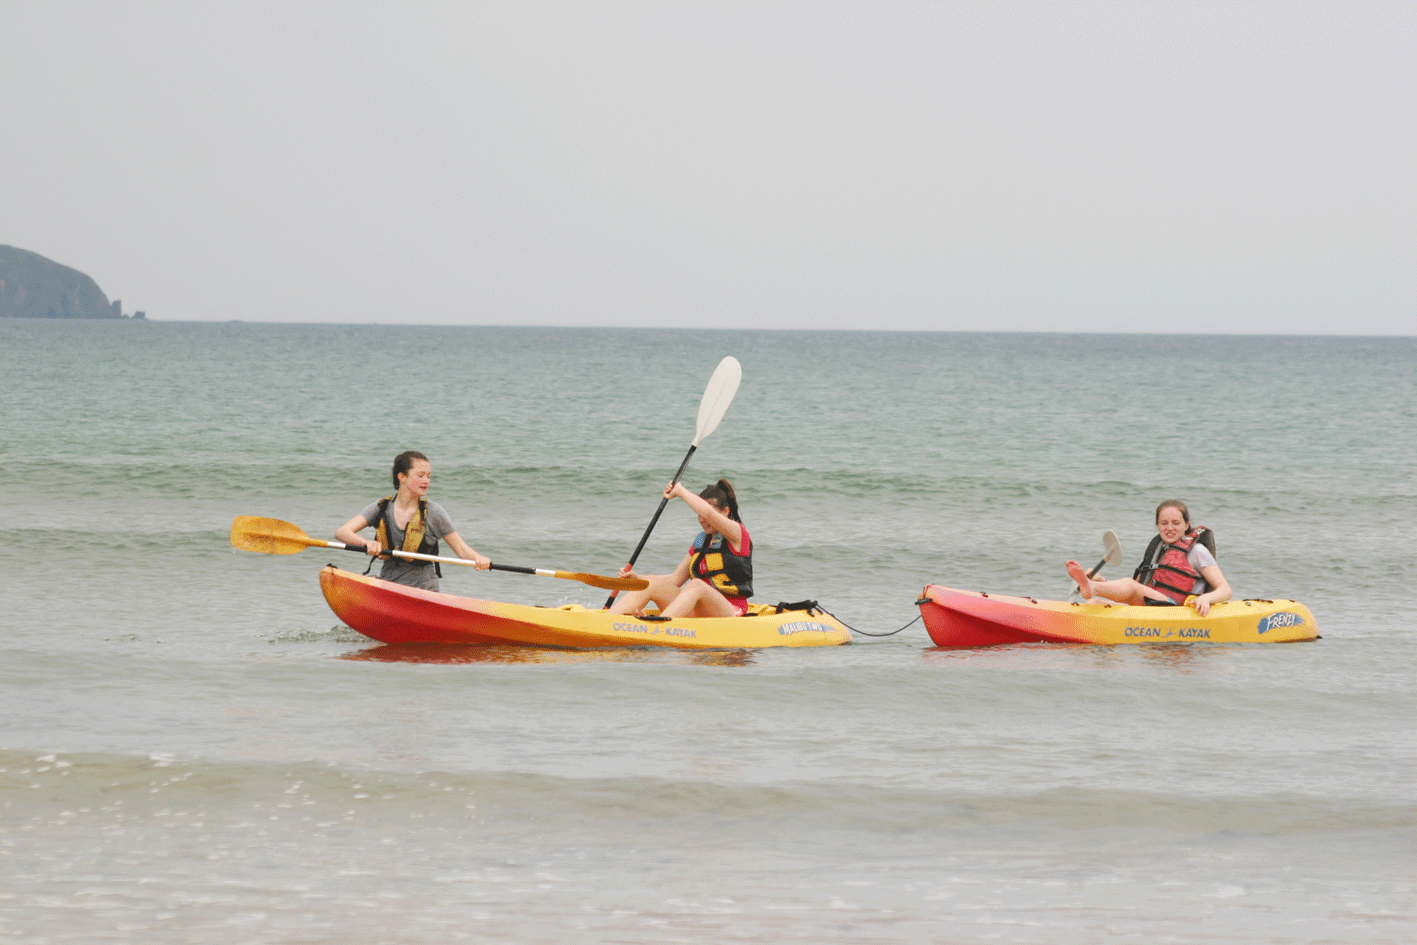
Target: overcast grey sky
<point x="1189" y="167"/>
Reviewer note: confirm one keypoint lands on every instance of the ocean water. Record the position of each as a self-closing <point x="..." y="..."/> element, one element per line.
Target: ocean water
<point x="193" y="750"/>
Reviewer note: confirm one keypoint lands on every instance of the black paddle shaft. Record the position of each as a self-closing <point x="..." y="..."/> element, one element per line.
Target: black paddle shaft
<point x="491" y="565"/>
<point x="657" y="513"/>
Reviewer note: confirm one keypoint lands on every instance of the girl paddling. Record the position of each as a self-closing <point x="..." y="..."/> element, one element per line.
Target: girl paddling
<point x="715" y="578"/>
<point x="1182" y="570"/>
<point x="408" y="521"/>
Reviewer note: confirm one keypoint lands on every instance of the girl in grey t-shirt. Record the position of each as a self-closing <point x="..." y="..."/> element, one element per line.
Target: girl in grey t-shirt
<point x="412" y="476"/>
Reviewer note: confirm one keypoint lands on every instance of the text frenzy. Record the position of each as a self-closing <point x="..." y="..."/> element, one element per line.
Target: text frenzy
<point x="1284" y="618"/>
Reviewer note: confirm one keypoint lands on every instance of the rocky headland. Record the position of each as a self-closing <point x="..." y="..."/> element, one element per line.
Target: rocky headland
<point x="34" y="287"/>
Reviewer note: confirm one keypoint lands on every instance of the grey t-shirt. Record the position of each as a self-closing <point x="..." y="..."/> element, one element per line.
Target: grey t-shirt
<point x="404" y="570"/>
<point x="1200" y="557"/>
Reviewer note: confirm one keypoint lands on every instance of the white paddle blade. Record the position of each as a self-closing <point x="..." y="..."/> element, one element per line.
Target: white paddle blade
<point x="717" y="396"/>
<point x="1113" y="548"/>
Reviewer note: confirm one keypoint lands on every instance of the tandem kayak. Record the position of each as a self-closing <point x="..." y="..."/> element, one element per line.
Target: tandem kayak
<point x="393" y="613"/>
<point x="955" y="618"/>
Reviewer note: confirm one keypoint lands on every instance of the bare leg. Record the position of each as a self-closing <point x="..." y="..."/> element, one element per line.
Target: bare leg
<point x="698" y="598"/>
<point x="661" y="591"/>
<point x="1078" y="573"/>
<point x="1121" y="590"/>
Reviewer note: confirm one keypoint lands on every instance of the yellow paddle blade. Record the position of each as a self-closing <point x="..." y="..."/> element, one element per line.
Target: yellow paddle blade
<point x="605" y="583"/>
<point x="270" y="536"/>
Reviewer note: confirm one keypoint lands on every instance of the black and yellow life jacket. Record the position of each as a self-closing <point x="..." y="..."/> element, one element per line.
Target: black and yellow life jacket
<point x="731" y="573"/>
<point x="415" y="536"/>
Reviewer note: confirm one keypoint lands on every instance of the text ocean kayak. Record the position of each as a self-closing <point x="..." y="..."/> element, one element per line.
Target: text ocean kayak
<point x="392" y="613"/>
<point x="955" y="618"/>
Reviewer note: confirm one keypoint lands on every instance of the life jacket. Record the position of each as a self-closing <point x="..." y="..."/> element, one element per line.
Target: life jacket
<point x="1167" y="567"/>
<point x="730" y="573"/>
<point x="415" y="535"/>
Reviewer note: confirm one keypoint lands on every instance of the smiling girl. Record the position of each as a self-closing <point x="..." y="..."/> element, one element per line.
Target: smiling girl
<point x="408" y="521"/>
<point x="1180" y="570"/>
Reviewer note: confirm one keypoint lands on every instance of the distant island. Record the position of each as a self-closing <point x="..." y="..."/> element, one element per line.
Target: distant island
<point x="34" y="287"/>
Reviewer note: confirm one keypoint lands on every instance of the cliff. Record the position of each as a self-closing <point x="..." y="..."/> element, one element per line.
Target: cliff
<point x="34" y="287"/>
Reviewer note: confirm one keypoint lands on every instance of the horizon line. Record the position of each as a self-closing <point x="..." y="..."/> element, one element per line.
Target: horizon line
<point x="678" y="328"/>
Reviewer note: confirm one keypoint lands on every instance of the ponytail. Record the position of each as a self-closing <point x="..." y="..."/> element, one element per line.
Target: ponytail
<point x="721" y="494"/>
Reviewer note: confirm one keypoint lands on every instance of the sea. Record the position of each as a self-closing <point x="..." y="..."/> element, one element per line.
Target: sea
<point x="193" y="749"/>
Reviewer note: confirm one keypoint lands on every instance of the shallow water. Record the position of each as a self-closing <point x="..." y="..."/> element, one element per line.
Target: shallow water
<point x="192" y="751"/>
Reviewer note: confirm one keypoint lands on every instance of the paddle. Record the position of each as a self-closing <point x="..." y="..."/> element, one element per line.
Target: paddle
<point x="717" y="396"/>
<point x="271" y="536"/>
<point x="1113" y="555"/>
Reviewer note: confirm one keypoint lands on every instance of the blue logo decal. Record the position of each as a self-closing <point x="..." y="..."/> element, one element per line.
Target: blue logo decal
<point x="801" y="626"/>
<point x="1284" y="618"/>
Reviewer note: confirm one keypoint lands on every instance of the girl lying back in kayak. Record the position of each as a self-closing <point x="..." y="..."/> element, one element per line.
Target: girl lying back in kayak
<point x="715" y="579"/>
<point x="408" y="521"/>
<point x="1180" y="570"/>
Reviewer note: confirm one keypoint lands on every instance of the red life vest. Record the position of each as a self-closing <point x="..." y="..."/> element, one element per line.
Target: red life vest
<point x="1168" y="569"/>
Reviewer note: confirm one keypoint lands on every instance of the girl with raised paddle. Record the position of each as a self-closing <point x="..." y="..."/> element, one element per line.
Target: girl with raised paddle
<point x="715" y="578"/>
<point x="1178" y="568"/>
<point x="407" y="521"/>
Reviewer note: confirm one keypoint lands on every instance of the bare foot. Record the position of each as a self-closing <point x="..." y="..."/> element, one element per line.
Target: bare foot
<point x="1078" y="573"/>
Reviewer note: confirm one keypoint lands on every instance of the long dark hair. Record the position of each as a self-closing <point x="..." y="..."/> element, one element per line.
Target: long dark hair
<point x="403" y="462"/>
<point x="721" y="494"/>
<point x="1179" y="506"/>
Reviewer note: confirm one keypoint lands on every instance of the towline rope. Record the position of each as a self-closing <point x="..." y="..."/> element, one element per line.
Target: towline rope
<point x="867" y="633"/>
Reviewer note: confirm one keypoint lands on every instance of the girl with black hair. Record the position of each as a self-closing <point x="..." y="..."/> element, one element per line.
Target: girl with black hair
<point x="407" y="520"/>
<point x="715" y="578"/>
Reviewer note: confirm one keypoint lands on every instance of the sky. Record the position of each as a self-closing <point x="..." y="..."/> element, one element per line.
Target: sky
<point x="941" y="166"/>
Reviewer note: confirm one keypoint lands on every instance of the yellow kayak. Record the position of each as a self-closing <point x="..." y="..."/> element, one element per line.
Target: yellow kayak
<point x="393" y="613"/>
<point x="955" y="618"/>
